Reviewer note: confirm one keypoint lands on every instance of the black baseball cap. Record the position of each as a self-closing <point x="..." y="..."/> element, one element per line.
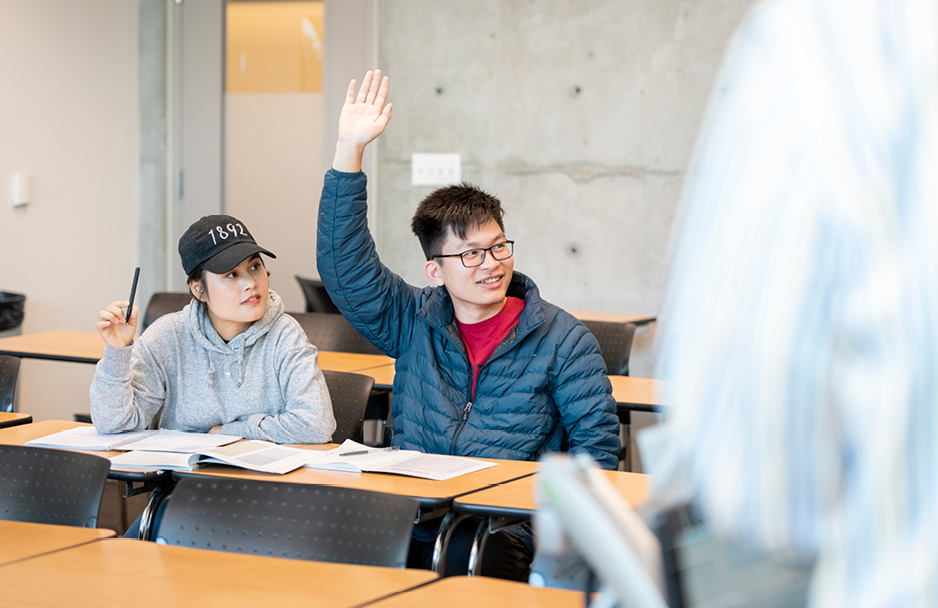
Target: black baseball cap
<point x="217" y="243"/>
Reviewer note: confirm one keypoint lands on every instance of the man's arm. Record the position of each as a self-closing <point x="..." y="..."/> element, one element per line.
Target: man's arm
<point x="380" y="304"/>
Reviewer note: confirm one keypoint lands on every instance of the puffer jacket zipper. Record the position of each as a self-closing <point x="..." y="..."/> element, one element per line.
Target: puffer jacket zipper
<point x="465" y="412"/>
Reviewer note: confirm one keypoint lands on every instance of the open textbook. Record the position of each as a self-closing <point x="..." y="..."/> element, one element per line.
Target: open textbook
<point x="87" y="438"/>
<point x="358" y="458"/>
<point x="261" y="456"/>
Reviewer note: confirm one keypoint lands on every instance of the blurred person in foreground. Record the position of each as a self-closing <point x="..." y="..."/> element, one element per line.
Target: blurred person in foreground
<point x="800" y="327"/>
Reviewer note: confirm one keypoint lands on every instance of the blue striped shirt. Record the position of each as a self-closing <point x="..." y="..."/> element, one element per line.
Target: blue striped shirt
<point x="800" y="324"/>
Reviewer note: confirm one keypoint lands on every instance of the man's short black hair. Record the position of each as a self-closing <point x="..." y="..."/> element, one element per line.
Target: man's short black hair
<point x="453" y="207"/>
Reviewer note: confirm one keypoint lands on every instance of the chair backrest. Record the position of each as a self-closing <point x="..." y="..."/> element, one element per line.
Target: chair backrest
<point x="615" y="341"/>
<point x="349" y="393"/>
<point x="317" y="298"/>
<point x="327" y="331"/>
<point x="46" y="486"/>
<point x="164" y="302"/>
<point x="9" y="370"/>
<point x="297" y="521"/>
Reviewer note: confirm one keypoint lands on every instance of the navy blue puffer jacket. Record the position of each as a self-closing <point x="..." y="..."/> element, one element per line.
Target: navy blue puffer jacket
<point x="547" y="376"/>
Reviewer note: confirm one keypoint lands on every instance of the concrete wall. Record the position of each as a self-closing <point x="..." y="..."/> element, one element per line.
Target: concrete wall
<point x="580" y="116"/>
<point x="68" y="116"/>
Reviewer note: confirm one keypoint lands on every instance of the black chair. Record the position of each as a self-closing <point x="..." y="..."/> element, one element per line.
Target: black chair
<point x="350" y="394"/>
<point x="47" y="486"/>
<point x="327" y="331"/>
<point x="332" y="332"/>
<point x="9" y="370"/>
<point x="317" y="298"/>
<point x="164" y="302"/>
<point x="615" y="342"/>
<point x="291" y="520"/>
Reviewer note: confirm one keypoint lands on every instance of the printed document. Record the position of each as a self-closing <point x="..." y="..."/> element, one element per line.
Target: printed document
<point x="360" y="458"/>
<point x="87" y="438"/>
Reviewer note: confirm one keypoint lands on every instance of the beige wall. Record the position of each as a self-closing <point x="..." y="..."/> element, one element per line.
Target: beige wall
<point x="272" y="179"/>
<point x="68" y="117"/>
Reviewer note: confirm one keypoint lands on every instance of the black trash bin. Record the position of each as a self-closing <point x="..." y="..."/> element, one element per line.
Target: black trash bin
<point x="11" y="312"/>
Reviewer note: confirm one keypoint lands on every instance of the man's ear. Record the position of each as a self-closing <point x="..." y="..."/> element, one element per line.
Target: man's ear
<point x="434" y="272"/>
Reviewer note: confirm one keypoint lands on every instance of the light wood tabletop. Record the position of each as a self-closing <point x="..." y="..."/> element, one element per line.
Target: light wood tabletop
<point x="20" y="540"/>
<point x="87" y="347"/>
<point x="642" y="394"/>
<point x="14" y="419"/>
<point x="612" y="317"/>
<point x="429" y="493"/>
<point x="383" y="375"/>
<point x="515" y="499"/>
<point x="145" y="574"/>
<point x="483" y="592"/>
<point x="74" y="346"/>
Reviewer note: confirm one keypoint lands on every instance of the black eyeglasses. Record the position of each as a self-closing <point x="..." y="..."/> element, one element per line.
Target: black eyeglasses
<point x="475" y="257"/>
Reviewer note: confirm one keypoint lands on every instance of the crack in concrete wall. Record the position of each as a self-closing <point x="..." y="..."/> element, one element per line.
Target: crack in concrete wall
<point x="583" y="173"/>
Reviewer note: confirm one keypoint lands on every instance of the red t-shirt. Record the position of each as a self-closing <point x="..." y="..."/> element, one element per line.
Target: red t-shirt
<point x="481" y="339"/>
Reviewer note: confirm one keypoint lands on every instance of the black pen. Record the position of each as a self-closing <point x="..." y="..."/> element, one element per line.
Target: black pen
<point x="133" y="292"/>
<point x="360" y="452"/>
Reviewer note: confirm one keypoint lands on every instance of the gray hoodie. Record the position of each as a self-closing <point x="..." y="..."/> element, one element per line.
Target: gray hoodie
<point x="264" y="384"/>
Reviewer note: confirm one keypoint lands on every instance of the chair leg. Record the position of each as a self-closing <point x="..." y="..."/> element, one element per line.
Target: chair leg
<point x="122" y="506"/>
<point x="450" y="521"/>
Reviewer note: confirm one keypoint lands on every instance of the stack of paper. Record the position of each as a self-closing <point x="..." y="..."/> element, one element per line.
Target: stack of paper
<point x="261" y="456"/>
<point x="87" y="438"/>
<point x="358" y="458"/>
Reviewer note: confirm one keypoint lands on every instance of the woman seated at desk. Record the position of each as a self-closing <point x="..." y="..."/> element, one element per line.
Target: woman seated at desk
<point x="231" y="361"/>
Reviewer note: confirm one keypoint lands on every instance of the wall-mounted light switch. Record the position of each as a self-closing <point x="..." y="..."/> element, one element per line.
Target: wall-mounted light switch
<point x="21" y="189"/>
<point x="435" y="169"/>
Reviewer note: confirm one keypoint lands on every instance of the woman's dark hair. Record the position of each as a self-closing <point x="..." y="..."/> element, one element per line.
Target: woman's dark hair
<point x="197" y="275"/>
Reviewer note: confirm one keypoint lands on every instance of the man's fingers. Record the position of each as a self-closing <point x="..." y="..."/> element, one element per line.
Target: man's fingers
<point x="384" y="117"/>
<point x="350" y="94"/>
<point x="366" y="84"/>
<point x="383" y="91"/>
<point x="373" y="87"/>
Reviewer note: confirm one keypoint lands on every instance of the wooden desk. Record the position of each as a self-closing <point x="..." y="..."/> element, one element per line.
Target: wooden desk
<point x="515" y="499"/>
<point x="507" y="505"/>
<point x="383" y="375"/>
<point x="74" y="346"/>
<point x="639" y="394"/>
<point x="146" y="574"/>
<point x="14" y="419"/>
<point x="483" y="592"/>
<point x="612" y="317"/>
<point x="430" y="494"/>
<point x="20" y="540"/>
<point x="87" y="347"/>
<point x="352" y="362"/>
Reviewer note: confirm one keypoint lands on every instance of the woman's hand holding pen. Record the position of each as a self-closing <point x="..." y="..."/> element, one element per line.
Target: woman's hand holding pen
<point x="116" y="331"/>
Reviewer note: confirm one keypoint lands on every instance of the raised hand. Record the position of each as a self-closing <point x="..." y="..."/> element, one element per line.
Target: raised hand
<point x="362" y="120"/>
<point x="113" y="327"/>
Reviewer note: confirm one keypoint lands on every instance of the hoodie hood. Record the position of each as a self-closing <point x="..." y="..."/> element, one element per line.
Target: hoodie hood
<point x="201" y="328"/>
<point x="231" y="353"/>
